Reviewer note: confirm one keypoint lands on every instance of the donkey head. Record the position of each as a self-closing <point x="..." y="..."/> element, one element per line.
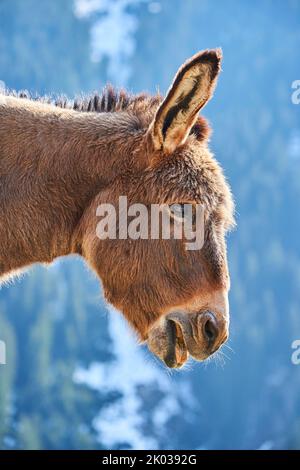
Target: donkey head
<point x="176" y="299"/>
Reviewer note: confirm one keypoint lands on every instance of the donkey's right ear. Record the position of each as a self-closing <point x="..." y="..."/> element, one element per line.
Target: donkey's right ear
<point x="192" y="87"/>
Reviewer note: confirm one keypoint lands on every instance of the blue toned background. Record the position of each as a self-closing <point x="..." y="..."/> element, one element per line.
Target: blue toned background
<point x="74" y="376"/>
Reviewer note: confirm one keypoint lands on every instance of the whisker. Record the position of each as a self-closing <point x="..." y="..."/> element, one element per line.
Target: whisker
<point x="228" y="347"/>
<point x="224" y="355"/>
<point x="187" y="366"/>
<point x="220" y="359"/>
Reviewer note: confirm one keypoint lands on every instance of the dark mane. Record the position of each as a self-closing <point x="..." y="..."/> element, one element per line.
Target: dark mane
<point x="110" y="100"/>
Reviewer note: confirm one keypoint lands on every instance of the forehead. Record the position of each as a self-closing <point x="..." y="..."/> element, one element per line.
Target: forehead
<point x="191" y="172"/>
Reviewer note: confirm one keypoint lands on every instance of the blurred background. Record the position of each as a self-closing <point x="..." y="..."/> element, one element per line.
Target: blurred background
<point x="75" y="377"/>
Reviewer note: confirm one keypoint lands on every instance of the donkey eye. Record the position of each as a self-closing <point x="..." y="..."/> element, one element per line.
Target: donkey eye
<point x="183" y="212"/>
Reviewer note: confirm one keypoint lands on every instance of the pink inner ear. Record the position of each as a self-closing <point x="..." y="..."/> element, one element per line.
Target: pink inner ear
<point x="201" y="129"/>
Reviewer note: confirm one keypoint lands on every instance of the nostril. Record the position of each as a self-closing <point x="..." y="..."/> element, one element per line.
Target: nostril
<point x="210" y="330"/>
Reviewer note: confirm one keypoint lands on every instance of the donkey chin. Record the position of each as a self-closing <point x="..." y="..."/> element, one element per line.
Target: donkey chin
<point x="178" y="334"/>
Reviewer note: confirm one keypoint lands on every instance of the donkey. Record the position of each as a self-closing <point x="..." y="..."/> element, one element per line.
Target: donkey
<point x="60" y="160"/>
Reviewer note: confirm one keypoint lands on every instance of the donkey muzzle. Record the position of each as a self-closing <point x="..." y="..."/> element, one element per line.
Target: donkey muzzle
<point x="182" y="334"/>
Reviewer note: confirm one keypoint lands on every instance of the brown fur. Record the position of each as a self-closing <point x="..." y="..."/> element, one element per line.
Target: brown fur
<point x="58" y="164"/>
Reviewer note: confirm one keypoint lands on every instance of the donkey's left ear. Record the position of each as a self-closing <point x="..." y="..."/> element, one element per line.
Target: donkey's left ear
<point x="192" y="87"/>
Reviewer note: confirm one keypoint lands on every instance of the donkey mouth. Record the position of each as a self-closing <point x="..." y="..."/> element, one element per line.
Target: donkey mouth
<point x="177" y="353"/>
<point x="167" y="341"/>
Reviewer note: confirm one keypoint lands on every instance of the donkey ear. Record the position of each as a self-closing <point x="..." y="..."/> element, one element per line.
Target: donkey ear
<point x="192" y="87"/>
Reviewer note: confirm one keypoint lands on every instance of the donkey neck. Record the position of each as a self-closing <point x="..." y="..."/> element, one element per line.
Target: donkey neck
<point x="52" y="163"/>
